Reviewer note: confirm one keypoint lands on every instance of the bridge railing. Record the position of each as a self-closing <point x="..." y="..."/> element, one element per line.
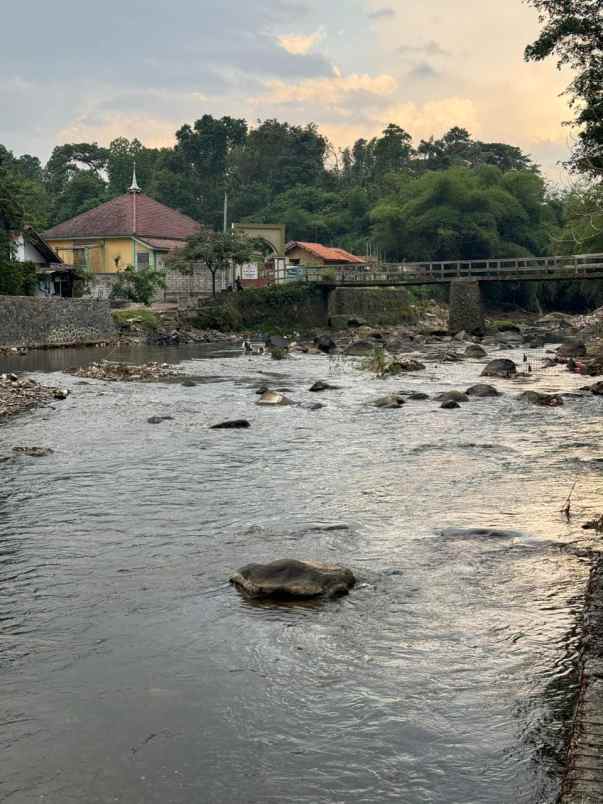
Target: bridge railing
<point x="579" y="266"/>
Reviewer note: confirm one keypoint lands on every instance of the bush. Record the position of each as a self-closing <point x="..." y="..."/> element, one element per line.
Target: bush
<point x="222" y="317"/>
<point x="138" y="286"/>
<point x="146" y="319"/>
<point x="18" y="278"/>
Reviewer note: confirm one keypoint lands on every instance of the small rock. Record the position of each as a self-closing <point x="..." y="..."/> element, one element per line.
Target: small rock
<point x="234" y="424"/>
<point x="159" y="419"/>
<point x="475" y="351"/>
<point x="60" y="393"/>
<point x="449" y="404"/>
<point x="323" y="386"/>
<point x="389" y="402"/>
<point x="188" y="383"/>
<point x="325" y="344"/>
<point x="272" y="398"/>
<point x="543" y="400"/>
<point x="452" y="396"/>
<point x="34" y="452"/>
<point x="361" y="348"/>
<point x="417" y="396"/>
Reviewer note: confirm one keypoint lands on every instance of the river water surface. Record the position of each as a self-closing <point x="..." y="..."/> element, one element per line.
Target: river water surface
<point x="132" y="672"/>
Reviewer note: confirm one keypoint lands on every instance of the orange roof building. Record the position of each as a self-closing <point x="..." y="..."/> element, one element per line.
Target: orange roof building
<point x="299" y="252"/>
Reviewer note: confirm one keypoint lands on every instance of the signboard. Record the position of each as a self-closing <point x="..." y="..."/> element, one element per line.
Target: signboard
<point x="249" y="270"/>
<point x="294" y="272"/>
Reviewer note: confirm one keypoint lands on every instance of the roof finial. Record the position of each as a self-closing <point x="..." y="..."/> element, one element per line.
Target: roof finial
<point x="134" y="188"/>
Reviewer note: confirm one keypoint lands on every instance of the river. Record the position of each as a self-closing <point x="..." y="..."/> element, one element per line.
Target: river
<point x="132" y="672"/>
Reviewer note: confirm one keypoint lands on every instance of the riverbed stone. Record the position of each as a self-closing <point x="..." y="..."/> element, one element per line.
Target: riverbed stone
<point x="33" y="452"/>
<point x="361" y="348"/>
<point x="454" y="396"/>
<point x="543" y="400"/>
<point x="272" y="398"/>
<point x="389" y="402"/>
<point x="482" y="389"/>
<point x="320" y="385"/>
<point x="475" y="351"/>
<point x="232" y="424"/>
<point x="500" y="367"/>
<point x="289" y="578"/>
<point x="449" y="404"/>
<point x="325" y="344"/>
<point x="571" y="348"/>
<point x="159" y="419"/>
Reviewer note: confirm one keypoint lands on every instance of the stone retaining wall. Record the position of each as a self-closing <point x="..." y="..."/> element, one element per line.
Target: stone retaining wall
<point x="385" y="306"/>
<point x="35" y="322"/>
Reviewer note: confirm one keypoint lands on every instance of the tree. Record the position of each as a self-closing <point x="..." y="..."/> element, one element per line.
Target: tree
<point x="137" y="285"/>
<point x="215" y="251"/>
<point x="573" y="32"/>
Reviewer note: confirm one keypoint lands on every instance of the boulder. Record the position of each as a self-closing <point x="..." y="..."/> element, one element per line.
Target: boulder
<point x="573" y="348"/>
<point x="403" y="366"/>
<point x="389" y="402"/>
<point x="290" y="579"/>
<point x="233" y="424"/>
<point x="596" y="389"/>
<point x="475" y="351"/>
<point x="417" y="396"/>
<point x="452" y="396"/>
<point x="361" y="348"/>
<point x="449" y="404"/>
<point x="508" y="326"/>
<point x="320" y="385"/>
<point x="501" y="367"/>
<point x="482" y="390"/>
<point x="60" y="393"/>
<point x="272" y="398"/>
<point x="325" y="344"/>
<point x="543" y="400"/>
<point x="159" y="419"/>
<point x="188" y="383"/>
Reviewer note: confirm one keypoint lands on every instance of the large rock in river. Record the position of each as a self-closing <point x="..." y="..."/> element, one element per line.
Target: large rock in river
<point x="475" y="351"/>
<point x="452" y="396"/>
<point x="501" y="367"/>
<point x="389" y="402"/>
<point x="573" y="348"/>
<point x="361" y="348"/>
<point x="482" y="389"/>
<point x="289" y="578"/>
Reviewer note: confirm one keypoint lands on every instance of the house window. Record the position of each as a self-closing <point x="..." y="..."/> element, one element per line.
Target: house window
<point x="79" y="257"/>
<point x="142" y="259"/>
<point x="294" y="261"/>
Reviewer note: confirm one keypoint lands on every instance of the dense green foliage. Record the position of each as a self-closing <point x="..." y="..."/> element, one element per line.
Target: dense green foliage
<point x="216" y="251"/>
<point x="137" y="285"/>
<point x="573" y="32"/>
<point x="446" y="198"/>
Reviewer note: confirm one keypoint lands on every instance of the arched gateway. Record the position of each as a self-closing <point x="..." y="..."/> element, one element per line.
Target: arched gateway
<point x="273" y="234"/>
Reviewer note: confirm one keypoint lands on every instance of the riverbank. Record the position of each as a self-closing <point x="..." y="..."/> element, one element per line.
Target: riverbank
<point x="583" y="783"/>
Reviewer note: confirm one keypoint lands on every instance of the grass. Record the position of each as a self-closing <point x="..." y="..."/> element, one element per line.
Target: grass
<point x="142" y="317"/>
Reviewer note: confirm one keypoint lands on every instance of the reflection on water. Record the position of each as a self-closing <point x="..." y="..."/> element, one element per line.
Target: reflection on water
<point x="133" y="672"/>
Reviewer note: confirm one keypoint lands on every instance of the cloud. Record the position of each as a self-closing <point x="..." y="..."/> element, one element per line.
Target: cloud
<point x="299" y="45"/>
<point x="431" y="48"/>
<point x="328" y="91"/>
<point x="382" y="13"/>
<point x="423" y="72"/>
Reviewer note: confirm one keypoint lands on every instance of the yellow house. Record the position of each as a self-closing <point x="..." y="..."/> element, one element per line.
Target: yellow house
<point x="131" y="229"/>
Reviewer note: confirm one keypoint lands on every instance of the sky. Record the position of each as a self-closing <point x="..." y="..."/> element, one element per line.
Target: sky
<point x="77" y="71"/>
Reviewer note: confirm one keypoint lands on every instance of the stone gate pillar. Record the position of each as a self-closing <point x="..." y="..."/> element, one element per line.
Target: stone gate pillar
<point x="465" y="310"/>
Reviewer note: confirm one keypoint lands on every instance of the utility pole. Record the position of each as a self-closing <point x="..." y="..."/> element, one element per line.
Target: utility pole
<point x="225" y="211"/>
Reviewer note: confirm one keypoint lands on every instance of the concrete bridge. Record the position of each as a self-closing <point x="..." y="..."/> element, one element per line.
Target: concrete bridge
<point x="463" y="276"/>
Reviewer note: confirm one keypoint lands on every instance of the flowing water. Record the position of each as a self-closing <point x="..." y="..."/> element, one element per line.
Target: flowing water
<point x="132" y="672"/>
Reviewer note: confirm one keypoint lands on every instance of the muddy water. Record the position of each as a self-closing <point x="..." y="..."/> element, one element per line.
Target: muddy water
<point x="132" y="672"/>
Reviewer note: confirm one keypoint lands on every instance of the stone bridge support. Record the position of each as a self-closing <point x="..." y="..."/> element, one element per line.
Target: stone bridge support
<point x="465" y="310"/>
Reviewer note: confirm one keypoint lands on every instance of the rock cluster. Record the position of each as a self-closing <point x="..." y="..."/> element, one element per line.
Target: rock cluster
<point x="18" y="395"/>
<point x="289" y="578"/>
<point x="122" y="372"/>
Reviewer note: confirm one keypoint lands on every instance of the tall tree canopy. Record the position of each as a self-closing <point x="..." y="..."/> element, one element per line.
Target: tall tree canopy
<point x="573" y="33"/>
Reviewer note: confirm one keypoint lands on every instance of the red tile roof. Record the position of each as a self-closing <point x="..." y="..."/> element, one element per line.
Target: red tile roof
<point x="162" y="244"/>
<point x="327" y="253"/>
<point x="116" y="218"/>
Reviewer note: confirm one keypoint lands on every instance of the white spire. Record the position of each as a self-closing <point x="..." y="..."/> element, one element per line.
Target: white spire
<point x="134" y="188"/>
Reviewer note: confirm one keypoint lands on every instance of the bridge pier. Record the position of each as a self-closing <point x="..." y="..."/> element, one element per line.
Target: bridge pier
<point x="465" y="307"/>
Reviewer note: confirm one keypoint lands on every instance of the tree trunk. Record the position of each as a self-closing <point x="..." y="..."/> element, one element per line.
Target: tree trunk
<point x="213" y="284"/>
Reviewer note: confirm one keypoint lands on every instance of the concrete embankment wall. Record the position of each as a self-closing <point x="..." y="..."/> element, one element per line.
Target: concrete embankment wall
<point x="34" y="322"/>
<point x="305" y="307"/>
<point x="386" y="306"/>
